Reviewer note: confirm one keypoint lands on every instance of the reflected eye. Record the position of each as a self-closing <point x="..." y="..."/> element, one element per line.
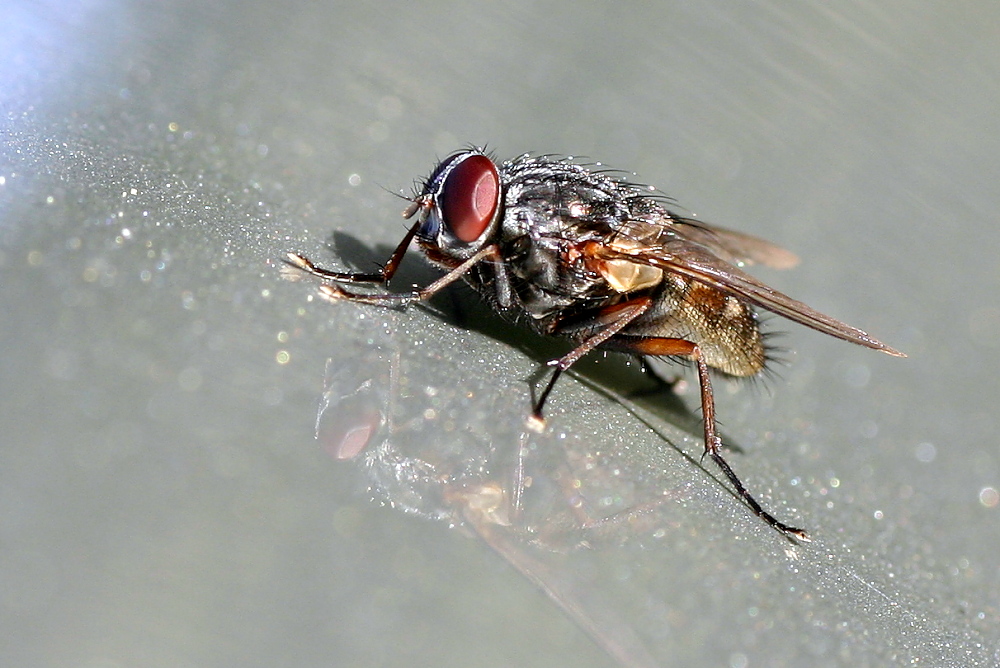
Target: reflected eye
<point x="469" y="196"/>
<point x="346" y="428"/>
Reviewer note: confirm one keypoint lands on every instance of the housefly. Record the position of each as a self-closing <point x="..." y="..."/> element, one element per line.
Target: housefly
<point x="587" y="255"/>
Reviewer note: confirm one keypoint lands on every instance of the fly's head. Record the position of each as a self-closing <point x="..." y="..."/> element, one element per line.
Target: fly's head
<point x="460" y="205"/>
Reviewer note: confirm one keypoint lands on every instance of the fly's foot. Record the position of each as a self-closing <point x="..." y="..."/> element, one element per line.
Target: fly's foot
<point x="299" y="262"/>
<point x="535" y="423"/>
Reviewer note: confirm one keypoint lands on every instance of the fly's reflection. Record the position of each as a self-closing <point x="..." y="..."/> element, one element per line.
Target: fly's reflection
<point x="474" y="466"/>
<point x="447" y="457"/>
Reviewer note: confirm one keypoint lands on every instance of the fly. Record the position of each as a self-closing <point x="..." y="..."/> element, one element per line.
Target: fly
<point x="588" y="256"/>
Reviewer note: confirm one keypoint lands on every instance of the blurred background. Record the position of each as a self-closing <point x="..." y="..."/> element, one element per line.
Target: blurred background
<point x="163" y="497"/>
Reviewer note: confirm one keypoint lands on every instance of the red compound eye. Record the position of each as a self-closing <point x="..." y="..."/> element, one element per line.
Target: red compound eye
<point x="469" y="196"/>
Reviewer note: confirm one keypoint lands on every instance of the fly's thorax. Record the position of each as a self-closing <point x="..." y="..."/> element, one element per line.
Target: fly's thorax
<point x="542" y="280"/>
<point x="552" y="210"/>
<point x="557" y="197"/>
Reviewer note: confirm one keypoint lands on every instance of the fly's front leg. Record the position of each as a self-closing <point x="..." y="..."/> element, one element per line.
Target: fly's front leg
<point x="382" y="276"/>
<point x="336" y="293"/>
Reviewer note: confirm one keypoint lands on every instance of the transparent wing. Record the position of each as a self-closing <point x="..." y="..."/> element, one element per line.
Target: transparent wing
<point x="735" y="247"/>
<point x="698" y="261"/>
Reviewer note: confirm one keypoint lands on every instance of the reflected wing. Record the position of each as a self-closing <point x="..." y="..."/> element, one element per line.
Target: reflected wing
<point x="697" y="262"/>
<point x="734" y="247"/>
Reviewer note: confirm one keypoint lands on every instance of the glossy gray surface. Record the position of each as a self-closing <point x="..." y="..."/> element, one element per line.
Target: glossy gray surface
<point x="163" y="501"/>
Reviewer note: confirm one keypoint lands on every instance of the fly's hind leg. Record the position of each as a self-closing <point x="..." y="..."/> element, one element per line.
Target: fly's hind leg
<point x="661" y="346"/>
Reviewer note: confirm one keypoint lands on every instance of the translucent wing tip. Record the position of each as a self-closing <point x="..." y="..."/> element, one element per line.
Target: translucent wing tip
<point x="779" y="258"/>
<point x="874" y="344"/>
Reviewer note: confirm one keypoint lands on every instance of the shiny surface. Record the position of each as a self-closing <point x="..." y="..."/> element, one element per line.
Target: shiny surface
<point x="163" y="500"/>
